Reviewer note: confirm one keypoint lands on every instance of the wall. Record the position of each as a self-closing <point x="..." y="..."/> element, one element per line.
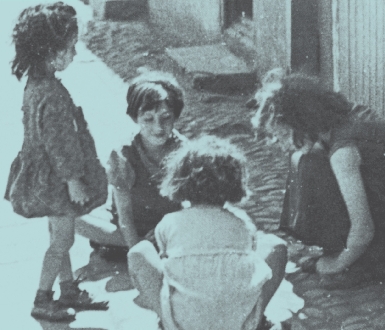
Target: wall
<point x="359" y="50"/>
<point x="305" y="36"/>
<point x="272" y="38"/>
<point x="190" y="18"/>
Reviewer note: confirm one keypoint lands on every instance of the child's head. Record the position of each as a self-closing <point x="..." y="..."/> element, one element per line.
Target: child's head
<point x="207" y="170"/>
<point x="297" y="104"/>
<point x="149" y="90"/>
<point x="40" y="34"/>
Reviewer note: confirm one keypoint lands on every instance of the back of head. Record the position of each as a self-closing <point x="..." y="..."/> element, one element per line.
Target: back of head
<point x="41" y="32"/>
<point x="301" y="103"/>
<point x="151" y="88"/>
<point x="207" y="170"/>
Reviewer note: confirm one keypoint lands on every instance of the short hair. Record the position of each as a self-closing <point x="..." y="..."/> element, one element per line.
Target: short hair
<point x="207" y="170"/>
<point x="300" y="102"/>
<point x="152" y="88"/>
<point x="42" y="31"/>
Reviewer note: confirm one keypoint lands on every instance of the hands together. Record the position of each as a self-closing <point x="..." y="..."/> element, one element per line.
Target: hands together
<point x="77" y="192"/>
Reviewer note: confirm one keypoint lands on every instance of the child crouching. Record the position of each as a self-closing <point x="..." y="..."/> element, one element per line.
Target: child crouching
<point x="208" y="274"/>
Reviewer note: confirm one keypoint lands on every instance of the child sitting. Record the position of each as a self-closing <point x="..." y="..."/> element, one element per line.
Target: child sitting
<point x="208" y="274"/>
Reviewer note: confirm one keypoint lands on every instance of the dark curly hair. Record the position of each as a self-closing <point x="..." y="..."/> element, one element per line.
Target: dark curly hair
<point x="41" y="32"/>
<point x="150" y="89"/>
<point x="301" y="103"/>
<point x="207" y="170"/>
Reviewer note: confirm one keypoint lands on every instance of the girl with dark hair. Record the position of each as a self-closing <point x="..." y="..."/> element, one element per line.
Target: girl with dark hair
<point x="335" y="190"/>
<point x="209" y="273"/>
<point x="155" y="102"/>
<point x="57" y="172"/>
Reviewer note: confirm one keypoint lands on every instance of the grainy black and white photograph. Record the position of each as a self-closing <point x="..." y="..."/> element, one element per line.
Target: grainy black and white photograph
<point x="192" y="165"/>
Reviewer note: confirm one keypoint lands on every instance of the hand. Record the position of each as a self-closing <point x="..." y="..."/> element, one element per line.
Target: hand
<point x="77" y="192"/>
<point x="309" y="265"/>
<point x="329" y="265"/>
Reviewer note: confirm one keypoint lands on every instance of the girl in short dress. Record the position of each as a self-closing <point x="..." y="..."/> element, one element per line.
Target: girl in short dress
<point x="208" y="273"/>
<point x="57" y="172"/>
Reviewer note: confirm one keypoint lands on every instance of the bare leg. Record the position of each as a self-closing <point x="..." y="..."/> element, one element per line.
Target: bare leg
<point x="100" y="231"/>
<point x="274" y="252"/>
<point x="145" y="269"/>
<point x="56" y="259"/>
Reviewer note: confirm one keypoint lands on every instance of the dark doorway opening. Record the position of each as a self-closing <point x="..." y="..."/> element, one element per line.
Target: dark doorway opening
<point x="235" y="10"/>
<point x="305" y="38"/>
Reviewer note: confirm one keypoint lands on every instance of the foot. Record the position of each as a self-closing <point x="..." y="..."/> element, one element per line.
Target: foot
<point x="45" y="308"/>
<point x="80" y="300"/>
<point x="99" y="268"/>
<point x="119" y="282"/>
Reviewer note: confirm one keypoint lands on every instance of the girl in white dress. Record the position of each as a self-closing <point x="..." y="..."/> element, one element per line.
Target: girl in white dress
<point x="208" y="274"/>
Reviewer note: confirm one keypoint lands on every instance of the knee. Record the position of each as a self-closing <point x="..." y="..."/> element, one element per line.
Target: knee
<point x="140" y="252"/>
<point x="142" y="248"/>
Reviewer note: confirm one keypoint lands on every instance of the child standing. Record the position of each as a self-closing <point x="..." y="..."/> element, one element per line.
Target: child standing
<point x="57" y="172"/>
<point x="208" y="274"/>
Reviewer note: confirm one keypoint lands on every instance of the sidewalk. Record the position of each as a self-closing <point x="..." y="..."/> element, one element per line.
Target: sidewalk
<point x="101" y="93"/>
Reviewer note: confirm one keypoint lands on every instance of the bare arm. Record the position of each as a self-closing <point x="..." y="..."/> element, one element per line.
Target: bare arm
<point x="345" y="163"/>
<point x="125" y="216"/>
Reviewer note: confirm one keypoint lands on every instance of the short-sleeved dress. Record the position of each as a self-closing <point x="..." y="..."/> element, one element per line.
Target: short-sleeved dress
<point x="132" y="171"/>
<point x="213" y="276"/>
<point x="314" y="209"/>
<point x="57" y="147"/>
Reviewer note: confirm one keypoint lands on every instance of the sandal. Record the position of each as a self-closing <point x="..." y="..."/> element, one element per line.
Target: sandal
<point x="45" y="308"/>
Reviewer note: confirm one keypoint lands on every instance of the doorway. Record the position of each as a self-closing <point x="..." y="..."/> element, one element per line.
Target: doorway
<point x="235" y="10"/>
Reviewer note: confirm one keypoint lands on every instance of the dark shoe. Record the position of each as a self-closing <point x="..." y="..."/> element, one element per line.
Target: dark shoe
<point x="45" y="308"/>
<point x="80" y="300"/>
<point x="99" y="268"/>
<point x="95" y="245"/>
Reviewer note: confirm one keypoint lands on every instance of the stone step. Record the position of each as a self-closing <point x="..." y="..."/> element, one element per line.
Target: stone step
<point x="214" y="68"/>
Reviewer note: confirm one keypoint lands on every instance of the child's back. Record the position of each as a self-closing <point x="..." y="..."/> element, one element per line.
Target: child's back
<point x="212" y="274"/>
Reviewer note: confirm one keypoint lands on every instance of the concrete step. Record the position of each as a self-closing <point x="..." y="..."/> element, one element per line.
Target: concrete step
<point x="214" y="68"/>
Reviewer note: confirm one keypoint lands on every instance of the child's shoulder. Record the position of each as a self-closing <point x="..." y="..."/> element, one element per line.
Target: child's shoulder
<point x="174" y="216"/>
<point x="49" y="90"/>
<point x="170" y="221"/>
<point x="49" y="84"/>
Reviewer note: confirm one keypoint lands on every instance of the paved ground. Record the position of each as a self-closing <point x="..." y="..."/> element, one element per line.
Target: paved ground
<point x="124" y="47"/>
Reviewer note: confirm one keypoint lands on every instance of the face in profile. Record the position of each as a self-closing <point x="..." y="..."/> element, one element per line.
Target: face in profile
<point x="266" y="120"/>
<point x="65" y="57"/>
<point x="156" y="124"/>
